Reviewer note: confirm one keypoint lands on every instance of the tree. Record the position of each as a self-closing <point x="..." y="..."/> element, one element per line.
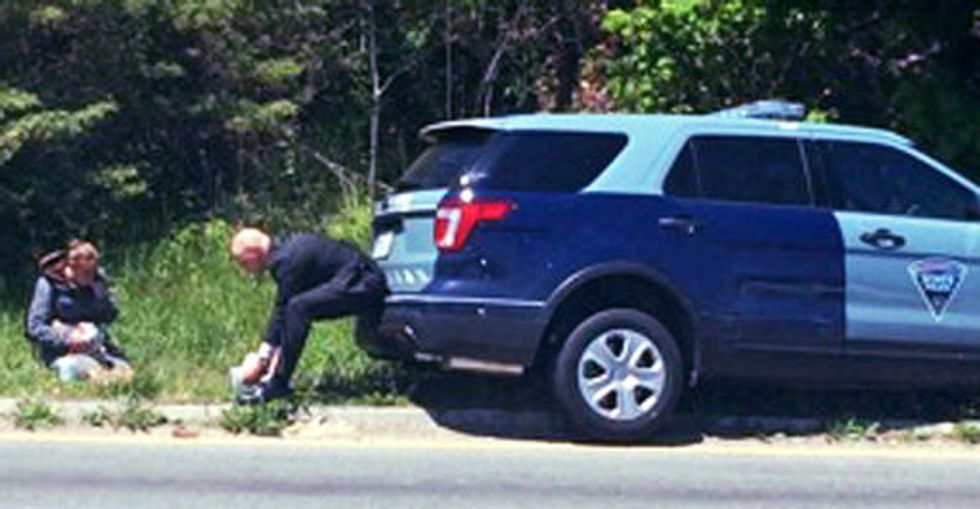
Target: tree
<point x="26" y="125"/>
<point x="23" y="121"/>
<point x="903" y="65"/>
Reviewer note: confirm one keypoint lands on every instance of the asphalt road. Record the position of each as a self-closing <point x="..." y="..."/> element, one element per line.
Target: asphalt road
<point x="107" y="474"/>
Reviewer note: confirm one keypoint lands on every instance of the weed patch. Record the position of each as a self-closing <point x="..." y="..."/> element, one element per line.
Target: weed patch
<point x="32" y="414"/>
<point x="133" y="414"/>
<point x="188" y="314"/>
<point x="268" y="419"/>
<point x="851" y="430"/>
<point x="967" y="432"/>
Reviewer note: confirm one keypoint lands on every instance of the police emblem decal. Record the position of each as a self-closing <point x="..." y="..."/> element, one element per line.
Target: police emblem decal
<point x="938" y="281"/>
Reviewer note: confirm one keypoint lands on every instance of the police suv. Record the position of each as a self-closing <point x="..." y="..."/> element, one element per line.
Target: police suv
<point x="631" y="256"/>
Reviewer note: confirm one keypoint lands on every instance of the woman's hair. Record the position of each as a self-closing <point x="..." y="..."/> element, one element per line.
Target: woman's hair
<point x="52" y="265"/>
<point x="81" y="245"/>
<point x="51" y="260"/>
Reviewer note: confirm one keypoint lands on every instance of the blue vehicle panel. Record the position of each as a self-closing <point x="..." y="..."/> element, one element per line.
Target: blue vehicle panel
<point x="922" y="292"/>
<point x="771" y="287"/>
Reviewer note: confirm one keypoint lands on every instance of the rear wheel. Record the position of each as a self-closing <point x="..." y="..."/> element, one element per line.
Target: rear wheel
<point x="618" y="374"/>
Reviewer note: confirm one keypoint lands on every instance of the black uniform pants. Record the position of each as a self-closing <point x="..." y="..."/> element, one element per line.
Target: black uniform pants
<point x="359" y="289"/>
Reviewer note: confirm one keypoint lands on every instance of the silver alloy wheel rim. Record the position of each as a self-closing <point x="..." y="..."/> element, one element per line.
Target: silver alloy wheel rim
<point x="621" y="374"/>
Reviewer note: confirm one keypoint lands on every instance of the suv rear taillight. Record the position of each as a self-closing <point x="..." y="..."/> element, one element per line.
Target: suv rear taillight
<point x="455" y="219"/>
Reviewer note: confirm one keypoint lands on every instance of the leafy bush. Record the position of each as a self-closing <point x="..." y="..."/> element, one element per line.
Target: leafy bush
<point x="264" y="420"/>
<point x="852" y="430"/>
<point x="35" y="413"/>
<point x="133" y="414"/>
<point x="968" y="432"/>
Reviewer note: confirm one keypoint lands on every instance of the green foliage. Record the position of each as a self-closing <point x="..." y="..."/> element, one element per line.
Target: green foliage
<point x="13" y="101"/>
<point x="277" y="71"/>
<point x="268" y="117"/>
<point x="120" y="181"/>
<point x="693" y="56"/>
<point x="946" y="122"/>
<point x="188" y="314"/>
<point x="48" y="16"/>
<point x="229" y="108"/>
<point x="907" y="67"/>
<point x="204" y="14"/>
<point x="268" y="419"/>
<point x="98" y="418"/>
<point x="165" y="70"/>
<point x="849" y="430"/>
<point x="42" y="126"/>
<point x="133" y="414"/>
<point x="32" y="414"/>
<point x="967" y="432"/>
<point x="353" y="222"/>
<point x="137" y="416"/>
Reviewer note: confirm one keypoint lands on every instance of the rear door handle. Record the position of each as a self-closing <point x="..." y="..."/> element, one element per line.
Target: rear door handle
<point x="684" y="224"/>
<point x="883" y="238"/>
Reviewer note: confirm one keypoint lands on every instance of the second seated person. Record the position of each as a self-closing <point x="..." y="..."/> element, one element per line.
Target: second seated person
<point x="69" y="318"/>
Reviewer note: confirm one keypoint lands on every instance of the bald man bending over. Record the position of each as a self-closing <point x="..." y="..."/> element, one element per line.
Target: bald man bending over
<point x="317" y="278"/>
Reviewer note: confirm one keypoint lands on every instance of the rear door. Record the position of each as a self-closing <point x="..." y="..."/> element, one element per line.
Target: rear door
<point x="769" y="263"/>
<point x="404" y="220"/>
<point x="912" y="249"/>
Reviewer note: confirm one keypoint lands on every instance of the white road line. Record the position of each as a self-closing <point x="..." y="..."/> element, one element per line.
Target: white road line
<point x="964" y="453"/>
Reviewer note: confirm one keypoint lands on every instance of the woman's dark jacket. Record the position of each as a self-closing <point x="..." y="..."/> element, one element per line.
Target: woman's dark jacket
<point x="55" y="299"/>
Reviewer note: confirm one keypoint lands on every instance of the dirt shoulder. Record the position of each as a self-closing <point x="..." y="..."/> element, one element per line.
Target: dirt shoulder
<point x="108" y="419"/>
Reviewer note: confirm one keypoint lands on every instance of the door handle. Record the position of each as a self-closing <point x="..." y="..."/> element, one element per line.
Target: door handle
<point x="883" y="238"/>
<point x="684" y="224"/>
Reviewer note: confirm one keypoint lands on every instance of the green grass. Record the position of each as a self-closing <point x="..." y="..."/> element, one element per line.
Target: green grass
<point x="133" y="414"/>
<point x="851" y="430"/>
<point x="263" y="420"/>
<point x="35" y="413"/>
<point x="189" y="313"/>
<point x="968" y="432"/>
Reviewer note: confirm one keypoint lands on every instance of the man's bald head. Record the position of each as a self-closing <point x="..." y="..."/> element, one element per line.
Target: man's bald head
<point x="250" y="247"/>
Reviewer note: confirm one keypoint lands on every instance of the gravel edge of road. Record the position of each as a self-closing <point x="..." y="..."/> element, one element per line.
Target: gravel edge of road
<point x="407" y="422"/>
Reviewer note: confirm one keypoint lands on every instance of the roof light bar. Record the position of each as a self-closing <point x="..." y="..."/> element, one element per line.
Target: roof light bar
<point x="771" y="109"/>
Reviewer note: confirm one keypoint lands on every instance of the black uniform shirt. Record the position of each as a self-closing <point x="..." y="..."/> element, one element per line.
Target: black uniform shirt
<point x="299" y="263"/>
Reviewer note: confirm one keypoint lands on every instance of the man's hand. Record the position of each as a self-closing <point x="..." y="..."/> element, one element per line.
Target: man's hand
<point x="253" y="368"/>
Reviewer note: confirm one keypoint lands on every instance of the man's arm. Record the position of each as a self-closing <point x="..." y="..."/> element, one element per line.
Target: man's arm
<point x="284" y="291"/>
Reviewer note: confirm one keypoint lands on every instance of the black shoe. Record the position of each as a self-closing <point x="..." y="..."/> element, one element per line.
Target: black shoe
<point x="248" y="397"/>
<point x="262" y="394"/>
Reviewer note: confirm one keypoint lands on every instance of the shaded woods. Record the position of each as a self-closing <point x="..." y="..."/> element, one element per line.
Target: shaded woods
<point x="121" y="119"/>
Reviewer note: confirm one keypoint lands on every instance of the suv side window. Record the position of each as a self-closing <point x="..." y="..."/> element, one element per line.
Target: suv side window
<point x="874" y="178"/>
<point x="682" y="180"/>
<point x="751" y="169"/>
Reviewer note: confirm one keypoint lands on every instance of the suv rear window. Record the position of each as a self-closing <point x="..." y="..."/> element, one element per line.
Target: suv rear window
<point x="441" y="164"/>
<point x="545" y="160"/>
<point x="513" y="161"/>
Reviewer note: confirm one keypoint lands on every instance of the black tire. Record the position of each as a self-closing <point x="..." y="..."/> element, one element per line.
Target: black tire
<point x="566" y="385"/>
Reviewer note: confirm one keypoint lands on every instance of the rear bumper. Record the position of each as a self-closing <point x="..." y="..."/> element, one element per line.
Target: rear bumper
<point x="460" y="329"/>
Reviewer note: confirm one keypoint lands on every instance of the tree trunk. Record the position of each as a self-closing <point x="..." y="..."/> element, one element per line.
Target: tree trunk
<point x="375" y="100"/>
<point x="449" y="59"/>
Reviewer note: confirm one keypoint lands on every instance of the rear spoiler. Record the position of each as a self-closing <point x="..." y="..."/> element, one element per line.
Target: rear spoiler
<point x="433" y="132"/>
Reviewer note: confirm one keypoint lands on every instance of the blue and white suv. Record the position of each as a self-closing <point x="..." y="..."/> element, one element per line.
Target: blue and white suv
<point x="632" y="256"/>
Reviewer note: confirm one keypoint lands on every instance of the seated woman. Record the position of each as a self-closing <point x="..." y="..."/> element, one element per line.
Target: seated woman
<point x="69" y="317"/>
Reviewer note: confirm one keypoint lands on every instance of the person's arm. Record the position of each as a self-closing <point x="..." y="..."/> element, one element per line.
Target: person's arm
<point x="40" y="322"/>
<point x="284" y="291"/>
